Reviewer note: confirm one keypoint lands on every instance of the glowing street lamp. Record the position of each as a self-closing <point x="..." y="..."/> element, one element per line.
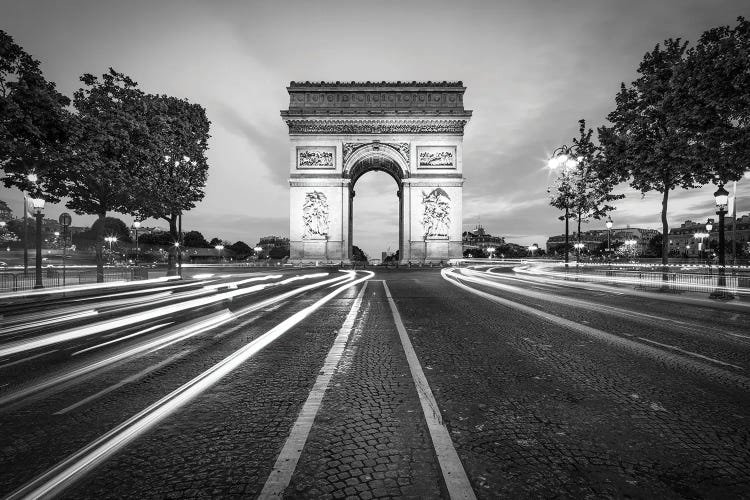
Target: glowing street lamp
<point x="533" y="247"/>
<point x="721" y="196"/>
<point x="609" y="231"/>
<point x="220" y="248"/>
<point x="491" y="250"/>
<point x="565" y="159"/>
<point x="701" y="249"/>
<point x="38" y="204"/>
<point x="136" y="226"/>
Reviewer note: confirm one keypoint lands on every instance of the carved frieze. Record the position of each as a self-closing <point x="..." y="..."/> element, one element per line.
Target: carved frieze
<point x="316" y="157"/>
<point x="436" y="218"/>
<point x="401" y="147"/>
<point x="342" y="127"/>
<point x="315" y="214"/>
<point x="436" y="157"/>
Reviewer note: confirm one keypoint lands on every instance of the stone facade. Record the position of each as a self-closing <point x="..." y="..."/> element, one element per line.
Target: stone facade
<point x="339" y="131"/>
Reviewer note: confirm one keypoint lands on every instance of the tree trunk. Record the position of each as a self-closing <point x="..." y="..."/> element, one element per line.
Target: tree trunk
<point x="664" y="238"/>
<point x="99" y="248"/>
<point x="172" y="253"/>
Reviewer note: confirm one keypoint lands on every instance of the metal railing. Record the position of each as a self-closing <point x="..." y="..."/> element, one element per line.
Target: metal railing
<point x="18" y="282"/>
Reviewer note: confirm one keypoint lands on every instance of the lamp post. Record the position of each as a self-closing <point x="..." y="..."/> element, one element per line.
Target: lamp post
<point x="609" y="233"/>
<point x="136" y="226"/>
<point x="701" y="249"/>
<point x="578" y="246"/>
<point x="491" y="250"/>
<point x="721" y="197"/>
<point x="38" y="204"/>
<point x="565" y="159"/>
<point x="110" y="240"/>
<point x="220" y="248"/>
<point x="533" y="247"/>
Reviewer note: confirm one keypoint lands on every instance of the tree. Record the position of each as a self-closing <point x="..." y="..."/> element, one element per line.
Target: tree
<point x="157" y="239"/>
<point x="655" y="246"/>
<point x="241" y="249"/>
<point x="34" y="123"/>
<point x="177" y="175"/>
<point x="214" y="242"/>
<point x="474" y="253"/>
<point x="112" y="227"/>
<point x="582" y="189"/>
<point x="112" y="148"/>
<point x="279" y="252"/>
<point x="194" y="239"/>
<point x="714" y="86"/>
<point x="358" y="255"/>
<point x="647" y="141"/>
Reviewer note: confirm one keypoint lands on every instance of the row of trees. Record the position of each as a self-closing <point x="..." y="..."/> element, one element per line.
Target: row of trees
<point x="113" y="148"/>
<point x="684" y="122"/>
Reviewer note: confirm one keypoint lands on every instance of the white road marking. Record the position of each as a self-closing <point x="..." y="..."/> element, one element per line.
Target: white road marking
<point x="287" y="460"/>
<point x="691" y="353"/>
<point x="454" y="475"/>
<point x="123" y="382"/>
<point x="52" y="482"/>
<point x="632" y="345"/>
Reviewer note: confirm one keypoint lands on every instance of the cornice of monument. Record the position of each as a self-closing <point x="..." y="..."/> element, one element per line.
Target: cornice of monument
<point x="384" y="125"/>
<point x="382" y="85"/>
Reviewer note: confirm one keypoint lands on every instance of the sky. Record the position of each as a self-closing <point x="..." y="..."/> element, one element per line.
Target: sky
<point x="532" y="69"/>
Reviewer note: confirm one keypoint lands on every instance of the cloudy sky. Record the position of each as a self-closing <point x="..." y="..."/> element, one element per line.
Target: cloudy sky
<point x="532" y="69"/>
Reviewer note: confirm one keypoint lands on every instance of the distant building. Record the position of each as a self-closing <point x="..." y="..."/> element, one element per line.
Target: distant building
<point x="682" y="240"/>
<point x="268" y="243"/>
<point x="593" y="239"/>
<point x="479" y="238"/>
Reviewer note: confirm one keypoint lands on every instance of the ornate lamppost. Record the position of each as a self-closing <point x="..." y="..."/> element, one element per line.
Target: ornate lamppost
<point x="721" y="197"/>
<point x="579" y="247"/>
<point x="220" y="248"/>
<point x="38" y="204"/>
<point x="609" y="233"/>
<point x="701" y="248"/>
<point x="567" y="161"/>
<point x="136" y="226"/>
<point x="491" y="250"/>
<point x="533" y="247"/>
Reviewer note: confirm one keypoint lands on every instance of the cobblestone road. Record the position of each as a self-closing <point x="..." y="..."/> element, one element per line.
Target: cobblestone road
<point x="535" y="408"/>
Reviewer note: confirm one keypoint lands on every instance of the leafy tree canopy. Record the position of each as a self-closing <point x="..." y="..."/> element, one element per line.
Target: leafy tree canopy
<point x="34" y="123"/>
<point x="194" y="239"/>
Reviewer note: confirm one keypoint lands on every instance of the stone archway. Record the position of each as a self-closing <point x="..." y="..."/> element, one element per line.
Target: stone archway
<point x="375" y="157"/>
<point x="412" y="131"/>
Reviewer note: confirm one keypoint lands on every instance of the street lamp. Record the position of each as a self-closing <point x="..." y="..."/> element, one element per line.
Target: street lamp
<point x="219" y="248"/>
<point x="609" y="232"/>
<point x="701" y="249"/>
<point x="491" y="250"/>
<point x="110" y="240"/>
<point x="565" y="159"/>
<point x="533" y="247"/>
<point x="721" y="197"/>
<point x="38" y="204"/>
<point x="136" y="226"/>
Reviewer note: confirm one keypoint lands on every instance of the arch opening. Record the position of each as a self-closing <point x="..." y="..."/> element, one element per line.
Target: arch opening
<point x="376" y="162"/>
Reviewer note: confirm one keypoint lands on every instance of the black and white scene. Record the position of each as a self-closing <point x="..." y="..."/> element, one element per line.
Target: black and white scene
<point x="346" y="249"/>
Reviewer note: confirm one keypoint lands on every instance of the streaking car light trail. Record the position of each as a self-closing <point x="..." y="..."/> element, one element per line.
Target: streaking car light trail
<point x="54" y="338"/>
<point x="184" y="332"/>
<point x="93" y="286"/>
<point x="74" y="467"/>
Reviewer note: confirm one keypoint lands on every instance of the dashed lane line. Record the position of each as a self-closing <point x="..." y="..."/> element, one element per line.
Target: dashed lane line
<point x="287" y="460"/>
<point x="454" y="475"/>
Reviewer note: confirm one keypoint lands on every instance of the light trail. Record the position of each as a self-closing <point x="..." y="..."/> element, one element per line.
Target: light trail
<point x="54" y="338"/>
<point x="658" y="355"/>
<point x="199" y="326"/>
<point x="93" y="286"/>
<point x="24" y="360"/>
<point x="62" y="475"/>
<point x="150" y="329"/>
<point x="479" y="277"/>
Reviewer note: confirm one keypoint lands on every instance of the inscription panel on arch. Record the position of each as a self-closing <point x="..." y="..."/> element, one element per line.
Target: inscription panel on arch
<point x="436" y="157"/>
<point x="316" y="157"/>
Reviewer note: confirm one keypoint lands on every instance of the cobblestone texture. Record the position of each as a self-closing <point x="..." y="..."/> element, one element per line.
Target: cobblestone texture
<point x="538" y="411"/>
<point x="369" y="439"/>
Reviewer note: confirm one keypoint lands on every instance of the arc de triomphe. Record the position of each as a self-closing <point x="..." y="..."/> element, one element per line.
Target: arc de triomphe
<point x="339" y="131"/>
